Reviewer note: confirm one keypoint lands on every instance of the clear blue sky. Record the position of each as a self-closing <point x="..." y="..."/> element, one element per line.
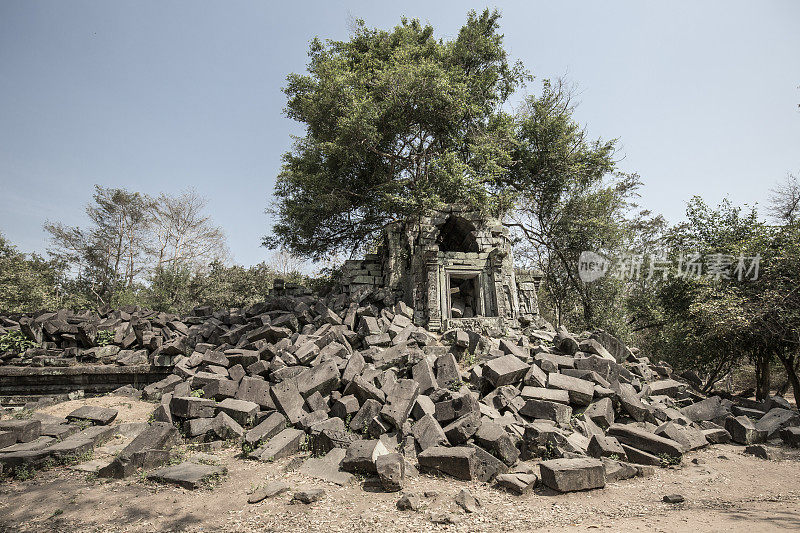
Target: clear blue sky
<point x="164" y="95"/>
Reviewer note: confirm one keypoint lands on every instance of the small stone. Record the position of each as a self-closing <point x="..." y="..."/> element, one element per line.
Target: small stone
<point x="467" y="501"/>
<point x="410" y="502"/>
<point x="308" y="496"/>
<point x="268" y="491"/>
<point x="759" y="451"/>
<point x="673" y="498"/>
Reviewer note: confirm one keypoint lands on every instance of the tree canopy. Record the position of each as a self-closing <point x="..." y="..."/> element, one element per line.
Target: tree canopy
<point x="396" y="121"/>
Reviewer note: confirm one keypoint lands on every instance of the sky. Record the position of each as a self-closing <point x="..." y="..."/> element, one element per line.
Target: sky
<point x="162" y="96"/>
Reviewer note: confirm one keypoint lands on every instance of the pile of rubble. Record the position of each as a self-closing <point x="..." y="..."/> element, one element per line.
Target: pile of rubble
<point x="362" y="386"/>
<point x="127" y="336"/>
<point x="367" y="392"/>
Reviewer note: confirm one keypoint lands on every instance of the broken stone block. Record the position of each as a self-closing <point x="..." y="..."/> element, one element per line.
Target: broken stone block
<point x="281" y="445"/>
<point x="457" y="407"/>
<point x="504" y="370"/>
<point x="428" y="433"/>
<point x="467" y="501"/>
<point x="458" y="462"/>
<point x="666" y="387"/>
<point x="369" y="410"/>
<point x="191" y="407"/>
<point x="242" y="411"/>
<point x="345" y="407"/>
<point x="459" y="431"/>
<point x="7" y="438"/>
<point x="271" y="426"/>
<point x="329" y="439"/>
<point x="496" y="440"/>
<point x="518" y="483"/>
<point x="643" y="440"/>
<point x="391" y="471"/>
<point x="600" y="412"/>
<point x="423" y="406"/>
<point x="447" y="373"/>
<point x="157" y="436"/>
<point x="322" y="378"/>
<point x="605" y="446"/>
<point x="759" y="451"/>
<point x="641" y="457"/>
<point x="744" y="431"/>
<point x="220" y="389"/>
<point x="580" y="391"/>
<point x="308" y="496"/>
<point x="410" y="502"/>
<point x="273" y="488"/>
<point x="689" y="437"/>
<point x="423" y="374"/>
<point x="535" y="377"/>
<point x="99" y="416"/>
<point x="400" y="401"/>
<point x="568" y="475"/>
<point x="716" y="435"/>
<point x="188" y="475"/>
<point x="631" y="403"/>
<point x="777" y="419"/>
<point x="255" y="390"/>
<point x="288" y="400"/>
<point x="22" y="430"/>
<point x="618" y="470"/>
<point x="327" y="468"/>
<point x="363" y="390"/>
<point x="550" y="395"/>
<point x="791" y="436"/>
<point x="226" y="428"/>
<point x="361" y="456"/>
<point x="708" y="409"/>
<point x="542" y="409"/>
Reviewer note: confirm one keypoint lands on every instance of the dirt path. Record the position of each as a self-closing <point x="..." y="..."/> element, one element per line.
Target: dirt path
<point x="728" y="492"/>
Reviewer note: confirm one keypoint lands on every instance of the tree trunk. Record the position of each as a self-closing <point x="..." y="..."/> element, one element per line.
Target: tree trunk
<point x="788" y="363"/>
<point x="762" y="375"/>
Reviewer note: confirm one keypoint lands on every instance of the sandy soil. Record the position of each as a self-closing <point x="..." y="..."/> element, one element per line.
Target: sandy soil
<point x="729" y="492"/>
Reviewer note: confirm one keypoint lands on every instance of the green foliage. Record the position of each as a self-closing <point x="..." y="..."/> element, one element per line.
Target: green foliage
<point x="396" y="121"/>
<point x="455" y="385"/>
<point x="569" y="199"/>
<point x="28" y="282"/>
<point x="23" y="472"/>
<point x="15" y="342"/>
<point x="199" y="393"/>
<point x="669" y="460"/>
<point x="104" y="337"/>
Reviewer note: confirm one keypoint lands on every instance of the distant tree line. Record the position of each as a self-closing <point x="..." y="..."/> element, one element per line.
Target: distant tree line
<point x="162" y="253"/>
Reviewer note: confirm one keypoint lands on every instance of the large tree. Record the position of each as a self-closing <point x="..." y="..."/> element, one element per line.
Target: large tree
<point x="396" y="121"/>
<point x="569" y="199"/>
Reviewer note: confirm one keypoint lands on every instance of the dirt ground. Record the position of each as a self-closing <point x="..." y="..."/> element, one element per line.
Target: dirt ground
<point x="728" y="491"/>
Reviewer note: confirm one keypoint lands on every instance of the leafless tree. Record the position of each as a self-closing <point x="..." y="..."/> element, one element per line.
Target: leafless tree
<point x="785" y="200"/>
<point x="184" y="235"/>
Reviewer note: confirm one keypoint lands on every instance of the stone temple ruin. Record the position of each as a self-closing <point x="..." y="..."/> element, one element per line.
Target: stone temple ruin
<point x="454" y="267"/>
<point x="431" y="359"/>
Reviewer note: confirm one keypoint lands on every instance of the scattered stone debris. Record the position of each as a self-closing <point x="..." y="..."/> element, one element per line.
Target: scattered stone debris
<point x="358" y="381"/>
